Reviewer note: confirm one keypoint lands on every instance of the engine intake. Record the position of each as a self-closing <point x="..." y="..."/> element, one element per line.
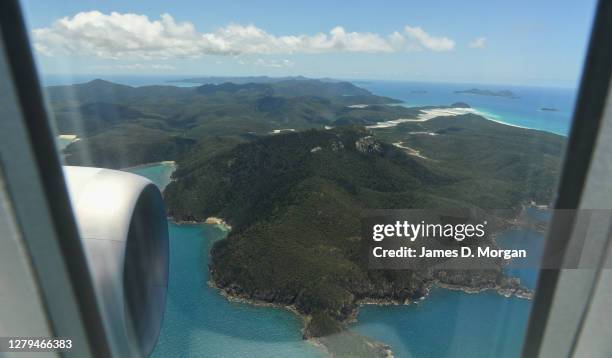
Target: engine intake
<point x="122" y="223"/>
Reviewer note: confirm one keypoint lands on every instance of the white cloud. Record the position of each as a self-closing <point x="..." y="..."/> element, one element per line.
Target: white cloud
<point x="136" y="67"/>
<point x="423" y="40"/>
<point x="480" y="42"/>
<point x="129" y="36"/>
<point x="146" y="66"/>
<point x="274" y="63"/>
<point x="260" y="62"/>
<point x="117" y="36"/>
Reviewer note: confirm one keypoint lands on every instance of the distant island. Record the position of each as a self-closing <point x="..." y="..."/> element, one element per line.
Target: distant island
<point x="549" y="109"/>
<point x="215" y="80"/>
<point x="483" y="92"/>
<point x="418" y="91"/>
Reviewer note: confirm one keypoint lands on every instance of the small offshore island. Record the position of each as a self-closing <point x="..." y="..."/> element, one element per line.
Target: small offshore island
<point x="293" y="199"/>
<point x="482" y="92"/>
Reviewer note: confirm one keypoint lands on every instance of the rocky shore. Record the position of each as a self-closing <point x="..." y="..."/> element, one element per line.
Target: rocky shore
<point x="344" y="343"/>
<point x="220" y="223"/>
<point x="506" y="291"/>
<point x="336" y="344"/>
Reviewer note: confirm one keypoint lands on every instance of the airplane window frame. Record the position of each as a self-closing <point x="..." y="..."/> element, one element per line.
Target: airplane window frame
<point x="593" y="95"/>
<point x="40" y="199"/>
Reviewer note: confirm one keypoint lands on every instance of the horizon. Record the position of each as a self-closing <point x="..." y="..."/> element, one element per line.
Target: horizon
<point x="168" y="79"/>
<point x="449" y="42"/>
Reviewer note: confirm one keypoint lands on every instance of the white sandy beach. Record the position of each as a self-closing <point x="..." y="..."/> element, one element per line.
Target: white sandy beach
<point x="68" y="136"/>
<point x="219" y="222"/>
<point x="427" y="114"/>
<point x="64" y="140"/>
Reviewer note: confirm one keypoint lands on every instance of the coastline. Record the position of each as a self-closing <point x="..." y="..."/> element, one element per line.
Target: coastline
<point x="428" y="114"/>
<point x="330" y="345"/>
<point x="220" y="223"/>
<point x="382" y="350"/>
<point x="519" y="292"/>
<point x="335" y="343"/>
<point x="491" y="118"/>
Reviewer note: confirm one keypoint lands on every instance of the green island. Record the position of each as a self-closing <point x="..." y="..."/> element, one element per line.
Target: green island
<point x="486" y="92"/>
<point x="291" y="165"/>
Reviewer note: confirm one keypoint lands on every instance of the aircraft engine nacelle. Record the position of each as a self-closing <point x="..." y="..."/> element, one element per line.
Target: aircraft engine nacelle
<point x="122" y="223"/>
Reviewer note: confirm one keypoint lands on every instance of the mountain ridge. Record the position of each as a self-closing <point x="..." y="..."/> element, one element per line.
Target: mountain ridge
<point x="199" y="113"/>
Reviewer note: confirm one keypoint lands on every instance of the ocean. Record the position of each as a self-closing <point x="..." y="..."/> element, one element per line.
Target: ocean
<point x="200" y="322"/>
<point x="525" y="110"/>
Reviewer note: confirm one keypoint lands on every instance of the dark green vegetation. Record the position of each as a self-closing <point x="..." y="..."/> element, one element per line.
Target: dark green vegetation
<point x="134" y="125"/>
<point x="295" y="202"/>
<point x="295" y="199"/>
<point x="497" y="166"/>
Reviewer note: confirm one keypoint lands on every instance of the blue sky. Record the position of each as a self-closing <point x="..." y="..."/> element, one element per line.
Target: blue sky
<point x="518" y="42"/>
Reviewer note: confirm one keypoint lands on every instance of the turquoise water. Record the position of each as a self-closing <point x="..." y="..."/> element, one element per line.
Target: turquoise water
<point x="524" y="111"/>
<point x="528" y="240"/>
<point x="457" y="324"/>
<point x="450" y="324"/>
<point x="200" y="322"/>
<point x="159" y="173"/>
